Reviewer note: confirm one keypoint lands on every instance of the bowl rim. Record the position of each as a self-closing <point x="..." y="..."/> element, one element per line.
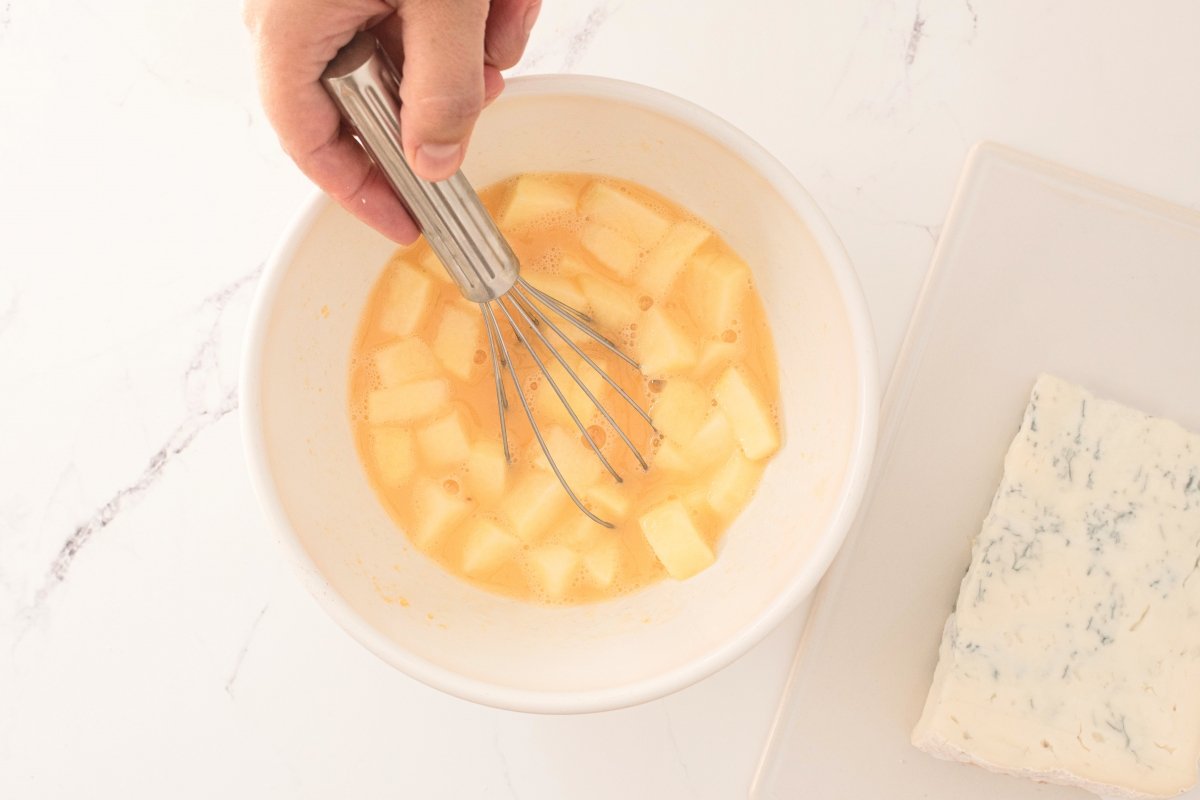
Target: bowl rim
<point x="802" y="584"/>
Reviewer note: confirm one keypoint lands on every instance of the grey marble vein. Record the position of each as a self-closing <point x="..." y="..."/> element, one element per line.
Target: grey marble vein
<point x="687" y="774"/>
<point x="974" y="19"/>
<point x="914" y="37"/>
<point x="578" y="44"/>
<point x="505" y="770"/>
<point x="241" y="656"/>
<point x="200" y="417"/>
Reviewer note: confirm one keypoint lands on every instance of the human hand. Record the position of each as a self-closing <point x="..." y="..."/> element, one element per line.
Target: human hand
<point x="450" y="53"/>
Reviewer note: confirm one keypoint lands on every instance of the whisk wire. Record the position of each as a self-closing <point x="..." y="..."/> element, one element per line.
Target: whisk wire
<point x="576" y="318"/>
<point x="493" y="332"/>
<point x="512" y="371"/>
<point x="579" y="381"/>
<point x="562" y="398"/>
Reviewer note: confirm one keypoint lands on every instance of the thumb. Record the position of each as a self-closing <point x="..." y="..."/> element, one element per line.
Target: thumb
<point x="442" y="85"/>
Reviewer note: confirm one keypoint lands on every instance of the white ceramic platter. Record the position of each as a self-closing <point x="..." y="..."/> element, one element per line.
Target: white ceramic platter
<point x="1038" y="269"/>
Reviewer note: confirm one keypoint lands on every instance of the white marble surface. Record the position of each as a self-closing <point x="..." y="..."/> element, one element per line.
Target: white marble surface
<point x="152" y="644"/>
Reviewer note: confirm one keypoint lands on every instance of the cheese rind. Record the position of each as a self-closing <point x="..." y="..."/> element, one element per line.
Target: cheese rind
<point x="1072" y="655"/>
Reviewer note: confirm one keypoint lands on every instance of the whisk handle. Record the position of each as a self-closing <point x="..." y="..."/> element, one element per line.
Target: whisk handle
<point x="365" y="86"/>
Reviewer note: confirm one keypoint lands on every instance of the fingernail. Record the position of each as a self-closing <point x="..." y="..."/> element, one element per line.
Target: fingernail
<point x="531" y="15"/>
<point x="438" y="161"/>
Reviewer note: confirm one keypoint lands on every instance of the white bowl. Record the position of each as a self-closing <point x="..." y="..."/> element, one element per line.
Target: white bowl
<point x="527" y="657"/>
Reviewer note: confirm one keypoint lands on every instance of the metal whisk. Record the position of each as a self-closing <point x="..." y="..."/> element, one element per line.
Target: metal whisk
<point x="365" y="86"/>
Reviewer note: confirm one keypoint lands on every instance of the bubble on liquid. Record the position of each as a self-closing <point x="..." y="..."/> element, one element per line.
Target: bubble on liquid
<point x="644" y="302"/>
<point x="480" y="357"/>
<point x="655" y="385"/>
<point x="450" y="485"/>
<point x="729" y="336"/>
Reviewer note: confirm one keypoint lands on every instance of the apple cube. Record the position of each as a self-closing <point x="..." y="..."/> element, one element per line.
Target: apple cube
<point x="548" y="403"/>
<point x="436" y="511"/>
<point x="751" y="419"/>
<point x="581" y="534"/>
<point x="667" y="259"/>
<point x="457" y="339"/>
<point x="445" y="441"/>
<point x="608" y="205"/>
<point x="553" y="567"/>
<point x="394" y="455"/>
<point x="409" y="402"/>
<point x="432" y="265"/>
<point x="664" y="348"/>
<point x="672" y="458"/>
<point x="533" y="504"/>
<point x="609" y="500"/>
<point x="610" y="304"/>
<point x="571" y="267"/>
<point x="713" y="441"/>
<point x="610" y="248"/>
<point x="675" y="540"/>
<point x="486" y="472"/>
<point x="404" y="361"/>
<point x="575" y="460"/>
<point x="534" y="197"/>
<point x="600" y="563"/>
<point x="680" y="409"/>
<point x="486" y="547"/>
<point x="562" y="288"/>
<point x="409" y="293"/>
<point x="716" y="288"/>
<point x="716" y="355"/>
<point x="733" y="484"/>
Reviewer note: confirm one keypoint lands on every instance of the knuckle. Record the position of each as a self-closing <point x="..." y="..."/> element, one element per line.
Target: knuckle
<point x="450" y="112"/>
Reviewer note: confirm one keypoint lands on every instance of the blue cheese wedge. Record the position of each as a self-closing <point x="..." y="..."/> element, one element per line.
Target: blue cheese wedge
<point x="1073" y="654"/>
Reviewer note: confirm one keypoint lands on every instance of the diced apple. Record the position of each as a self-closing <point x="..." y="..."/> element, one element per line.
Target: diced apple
<point x="610" y="206"/>
<point x="600" y="563"/>
<point x="716" y="355"/>
<point x="409" y="294"/>
<point x="553" y="567"/>
<point x="751" y="420"/>
<point x="575" y="460"/>
<point x="562" y="288"/>
<point x="571" y="266"/>
<point x="457" y="339"/>
<point x="432" y="265"/>
<point x="609" y="500"/>
<point x="394" y="454"/>
<point x="673" y="536"/>
<point x="446" y="440"/>
<point x="436" y="511"/>
<point x="713" y="441"/>
<point x="486" y="547"/>
<point x="581" y="533"/>
<point x="733" y="484"/>
<point x="679" y="409"/>
<point x="610" y="304"/>
<point x="610" y="248"/>
<point x="486" y="471"/>
<point x="553" y="408"/>
<point x="667" y="259"/>
<point x="409" y="402"/>
<point x="534" y="197"/>
<point x="671" y="457"/>
<point x="716" y="287"/>
<point x="664" y="348"/>
<point x="533" y="504"/>
<point x="404" y="361"/>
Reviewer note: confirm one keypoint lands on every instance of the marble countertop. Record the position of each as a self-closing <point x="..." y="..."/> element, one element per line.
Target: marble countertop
<point x="152" y="641"/>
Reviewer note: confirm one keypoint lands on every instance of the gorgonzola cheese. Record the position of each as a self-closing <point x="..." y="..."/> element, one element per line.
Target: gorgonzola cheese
<point x="1073" y="653"/>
